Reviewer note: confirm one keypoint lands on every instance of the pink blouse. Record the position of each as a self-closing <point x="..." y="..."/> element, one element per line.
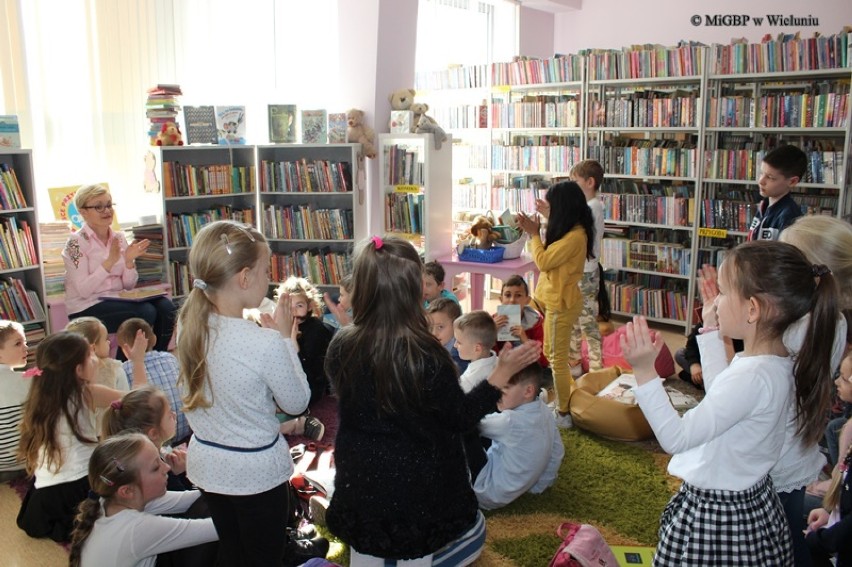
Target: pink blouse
<point x="85" y="277"/>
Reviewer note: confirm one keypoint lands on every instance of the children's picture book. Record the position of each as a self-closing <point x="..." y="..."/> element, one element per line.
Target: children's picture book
<point x="314" y="127"/>
<point x="134" y="295"/>
<point x="200" y="125"/>
<point x="337" y="128"/>
<point x="620" y="390"/>
<point x="282" y="123"/>
<point x="231" y="124"/>
<point x="10" y="133"/>
<point x="513" y="312"/>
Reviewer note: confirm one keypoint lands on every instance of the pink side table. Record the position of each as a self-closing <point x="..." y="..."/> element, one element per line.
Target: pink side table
<point x="477" y="270"/>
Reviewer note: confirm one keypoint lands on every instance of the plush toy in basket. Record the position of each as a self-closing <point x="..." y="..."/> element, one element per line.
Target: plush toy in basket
<point x="479" y="244"/>
<point x="512" y="240"/>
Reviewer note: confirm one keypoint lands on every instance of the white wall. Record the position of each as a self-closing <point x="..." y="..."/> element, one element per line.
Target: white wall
<point x="619" y="23"/>
<point x="536" y="33"/>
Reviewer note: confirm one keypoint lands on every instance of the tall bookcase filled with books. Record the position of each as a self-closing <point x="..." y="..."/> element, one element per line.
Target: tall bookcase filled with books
<point x="21" y="277"/>
<point x="761" y="97"/>
<point x="312" y="209"/>
<point x="415" y="182"/>
<point x="644" y="127"/>
<point x="201" y="185"/>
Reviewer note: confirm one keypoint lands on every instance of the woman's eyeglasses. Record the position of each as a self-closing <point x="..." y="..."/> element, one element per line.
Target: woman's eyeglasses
<point x="100" y="208"/>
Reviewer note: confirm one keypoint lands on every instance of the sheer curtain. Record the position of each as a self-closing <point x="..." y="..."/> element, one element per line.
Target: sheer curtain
<point x="76" y="72"/>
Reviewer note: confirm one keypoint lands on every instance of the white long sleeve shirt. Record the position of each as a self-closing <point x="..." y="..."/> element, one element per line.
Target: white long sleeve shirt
<point x="734" y="436"/>
<point x="478" y="371"/>
<point x="134" y="539"/>
<point x="525" y="455"/>
<point x="250" y="369"/>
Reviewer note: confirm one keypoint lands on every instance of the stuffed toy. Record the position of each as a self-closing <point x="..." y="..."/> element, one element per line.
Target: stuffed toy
<point x="360" y="133"/>
<point x="482" y="233"/>
<point x="169" y="135"/>
<point x="419" y="109"/>
<point x="401" y="99"/>
<point x="427" y="124"/>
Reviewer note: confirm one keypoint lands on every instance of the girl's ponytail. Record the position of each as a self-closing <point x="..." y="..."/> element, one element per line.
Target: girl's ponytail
<point x="88" y="512"/>
<point x="813" y="367"/>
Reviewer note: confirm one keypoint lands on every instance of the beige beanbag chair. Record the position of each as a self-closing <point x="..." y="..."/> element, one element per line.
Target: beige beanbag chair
<point x="605" y="417"/>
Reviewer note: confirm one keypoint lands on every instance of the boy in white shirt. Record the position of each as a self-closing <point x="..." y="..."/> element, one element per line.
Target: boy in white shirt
<point x="14" y="389"/>
<point x="476" y="335"/>
<point x="527" y="448"/>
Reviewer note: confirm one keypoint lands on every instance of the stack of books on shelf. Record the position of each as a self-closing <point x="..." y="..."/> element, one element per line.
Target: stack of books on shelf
<point x="404" y="212"/>
<point x="463" y="116"/>
<point x="649" y="295"/>
<point x="787" y="52"/>
<point x="53" y="235"/>
<point x="19" y="304"/>
<point x="549" y="159"/>
<point x="34" y="333"/>
<point x="643" y="109"/>
<point x="646" y="61"/>
<point x="11" y="196"/>
<point x="150" y="265"/>
<point x="825" y="108"/>
<point x="182" y="228"/>
<point x="537" y="111"/>
<point x="304" y="222"/>
<point x="525" y="70"/>
<point x="456" y="77"/>
<point x="181" y="278"/>
<point x="185" y="180"/>
<point x="403" y="165"/>
<point x="162" y="107"/>
<point x="16" y="244"/>
<point x="656" y="158"/>
<point x="319" y="266"/>
<point x="305" y="176"/>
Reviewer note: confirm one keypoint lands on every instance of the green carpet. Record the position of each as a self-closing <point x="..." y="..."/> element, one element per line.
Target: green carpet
<point x="620" y="488"/>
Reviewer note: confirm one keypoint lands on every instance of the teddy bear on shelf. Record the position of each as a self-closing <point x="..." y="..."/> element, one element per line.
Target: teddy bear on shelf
<point x="418" y="109"/>
<point x="401" y="99"/>
<point x="426" y="125"/>
<point x="482" y="233"/>
<point x="169" y="135"/>
<point x="360" y="133"/>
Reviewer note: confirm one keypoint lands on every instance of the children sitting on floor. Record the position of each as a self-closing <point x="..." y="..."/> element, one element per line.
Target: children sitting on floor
<point x="515" y="291"/>
<point x="527" y="448"/>
<point x="162" y="371"/>
<point x="476" y="335"/>
<point x="433" y="283"/>
<point x="442" y="314"/>
<point x="14" y="388"/>
<point x="109" y="370"/>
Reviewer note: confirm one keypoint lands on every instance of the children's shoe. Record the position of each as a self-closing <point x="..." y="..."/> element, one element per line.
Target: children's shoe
<point x="563" y="421"/>
<point x="314" y="429"/>
<point x="298" y="551"/>
<point x="318" y="506"/>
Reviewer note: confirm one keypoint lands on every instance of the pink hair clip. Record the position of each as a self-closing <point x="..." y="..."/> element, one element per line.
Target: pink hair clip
<point x="377" y="242"/>
<point x="34" y="371"/>
<point x="116" y="405"/>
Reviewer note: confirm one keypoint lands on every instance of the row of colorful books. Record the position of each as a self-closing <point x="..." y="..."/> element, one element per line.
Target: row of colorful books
<point x="728" y="214"/>
<point x="535" y="158"/>
<point x="404" y="212"/>
<point x="673" y="211"/>
<point x="35" y="333"/>
<point x="823" y="167"/>
<point x="11" y="196"/>
<point x="635" y="187"/>
<point x="18" y="303"/>
<point x="485" y="197"/>
<point x="403" y="165"/>
<point x="786" y="52"/>
<point x="186" y="180"/>
<point x="161" y="107"/>
<point x="182" y="228"/>
<point x="778" y="110"/>
<point x="304" y="222"/>
<point x="564" y="114"/>
<point x="473" y="156"/>
<point x="618" y="253"/>
<point x="647" y="299"/>
<point x="463" y="116"/>
<point x="455" y="77"/>
<point x="674" y="112"/>
<point x="305" y="176"/>
<point x="534" y="71"/>
<point x="17" y="249"/>
<point x="654" y="161"/>
<point x="646" y="61"/>
<point x="149" y="265"/>
<point x="54" y="236"/>
<point x="321" y="266"/>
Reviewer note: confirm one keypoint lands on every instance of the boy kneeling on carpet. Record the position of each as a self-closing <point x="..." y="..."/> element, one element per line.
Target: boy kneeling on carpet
<point x="527" y="449"/>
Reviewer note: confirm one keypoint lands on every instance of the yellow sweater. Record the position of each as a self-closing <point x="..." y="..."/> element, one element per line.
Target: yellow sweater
<point x="561" y="266"/>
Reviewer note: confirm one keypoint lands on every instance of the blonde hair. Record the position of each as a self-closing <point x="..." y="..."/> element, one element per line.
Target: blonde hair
<point x="86" y="192"/>
<point x="113" y="464"/>
<point x="8" y="329"/>
<point x="301" y="286"/>
<point x="89" y="327"/>
<point x="221" y="250"/>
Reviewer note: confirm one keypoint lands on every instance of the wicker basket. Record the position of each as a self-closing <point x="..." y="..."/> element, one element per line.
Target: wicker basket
<point x="486" y="256"/>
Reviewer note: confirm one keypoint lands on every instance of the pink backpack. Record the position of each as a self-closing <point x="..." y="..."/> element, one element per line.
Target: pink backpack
<point x="582" y="546"/>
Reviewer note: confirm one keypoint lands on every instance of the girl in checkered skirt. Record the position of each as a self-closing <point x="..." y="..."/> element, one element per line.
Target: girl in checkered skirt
<point x="726" y="511"/>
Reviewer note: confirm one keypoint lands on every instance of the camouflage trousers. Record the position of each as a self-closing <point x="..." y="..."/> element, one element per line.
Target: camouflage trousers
<point x="586" y="325"/>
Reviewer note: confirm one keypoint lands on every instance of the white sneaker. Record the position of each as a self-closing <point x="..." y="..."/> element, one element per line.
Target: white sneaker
<point x="563" y="421"/>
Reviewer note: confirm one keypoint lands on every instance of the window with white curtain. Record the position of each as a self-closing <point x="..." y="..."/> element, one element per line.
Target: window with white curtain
<point x="76" y="73"/>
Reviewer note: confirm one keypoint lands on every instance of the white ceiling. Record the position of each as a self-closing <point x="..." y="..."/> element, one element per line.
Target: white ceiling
<point x="554" y="6"/>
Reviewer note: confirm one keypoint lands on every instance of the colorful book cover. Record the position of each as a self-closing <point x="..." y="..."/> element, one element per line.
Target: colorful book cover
<point x="231" y="124"/>
<point x="314" y="127"/>
<point x="282" y="123"/>
<point x="10" y="133"/>
<point x="200" y="125"/>
<point x="337" y="128"/>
